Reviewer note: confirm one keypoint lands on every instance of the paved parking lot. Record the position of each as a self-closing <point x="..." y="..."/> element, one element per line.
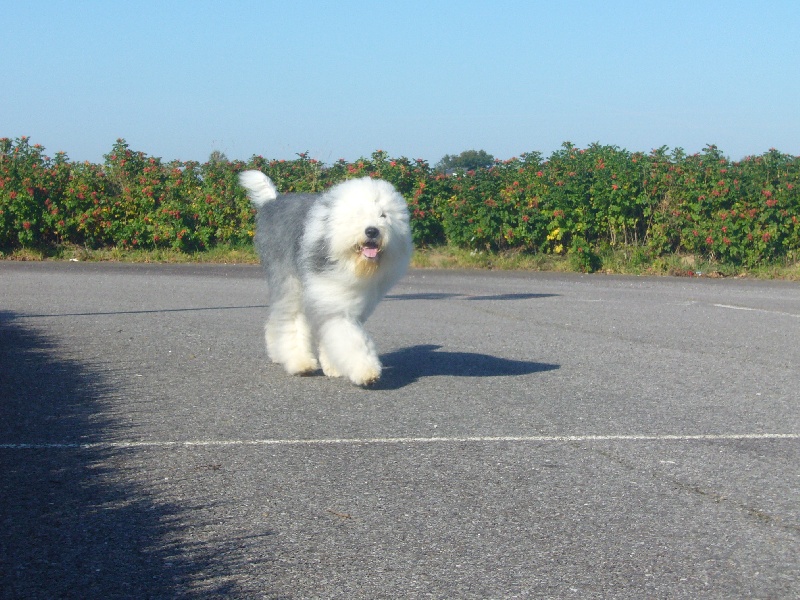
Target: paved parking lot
<point x="533" y="436"/>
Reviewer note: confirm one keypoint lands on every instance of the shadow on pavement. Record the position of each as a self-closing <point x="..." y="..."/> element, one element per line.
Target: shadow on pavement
<point x="71" y="526"/>
<point x="408" y="365"/>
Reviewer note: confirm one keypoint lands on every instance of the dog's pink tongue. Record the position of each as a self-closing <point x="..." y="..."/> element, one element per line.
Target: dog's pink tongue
<point x="369" y="252"/>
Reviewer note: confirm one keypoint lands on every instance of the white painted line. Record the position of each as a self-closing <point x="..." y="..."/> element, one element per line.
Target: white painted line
<point x="762" y="310"/>
<point x="407" y="440"/>
<point x="731" y="306"/>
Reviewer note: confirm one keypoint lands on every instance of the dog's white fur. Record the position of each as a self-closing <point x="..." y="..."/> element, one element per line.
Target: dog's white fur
<point x="329" y="258"/>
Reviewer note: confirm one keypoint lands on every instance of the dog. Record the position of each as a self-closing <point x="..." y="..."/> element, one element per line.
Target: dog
<point x="329" y="259"/>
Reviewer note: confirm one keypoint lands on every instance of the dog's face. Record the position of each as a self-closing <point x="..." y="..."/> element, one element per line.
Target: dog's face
<point x="368" y="225"/>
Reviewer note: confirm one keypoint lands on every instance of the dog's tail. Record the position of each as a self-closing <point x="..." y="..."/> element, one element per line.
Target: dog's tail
<point x="260" y="188"/>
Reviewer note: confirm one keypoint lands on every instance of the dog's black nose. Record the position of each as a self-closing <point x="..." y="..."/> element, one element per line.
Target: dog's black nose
<point x="372" y="232"/>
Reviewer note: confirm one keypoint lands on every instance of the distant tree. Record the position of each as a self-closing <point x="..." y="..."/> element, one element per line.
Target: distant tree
<point x="469" y="160"/>
<point x="217" y="157"/>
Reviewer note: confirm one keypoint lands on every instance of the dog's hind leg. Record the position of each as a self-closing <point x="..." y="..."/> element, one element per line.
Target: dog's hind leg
<point x="288" y="336"/>
<point x="289" y="343"/>
<point x="302" y="354"/>
<point x="326" y="364"/>
<point x="347" y="350"/>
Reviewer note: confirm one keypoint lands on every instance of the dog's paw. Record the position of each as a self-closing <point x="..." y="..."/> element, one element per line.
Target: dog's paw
<point x="301" y="366"/>
<point x="366" y="377"/>
<point x="327" y="367"/>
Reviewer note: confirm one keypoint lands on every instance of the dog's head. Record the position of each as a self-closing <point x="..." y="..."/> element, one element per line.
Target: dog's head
<point x="366" y="225"/>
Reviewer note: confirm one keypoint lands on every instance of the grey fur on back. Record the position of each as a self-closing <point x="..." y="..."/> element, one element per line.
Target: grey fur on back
<point x="279" y="232"/>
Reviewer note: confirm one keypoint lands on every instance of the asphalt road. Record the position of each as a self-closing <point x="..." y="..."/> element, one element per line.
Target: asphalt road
<point x="533" y="436"/>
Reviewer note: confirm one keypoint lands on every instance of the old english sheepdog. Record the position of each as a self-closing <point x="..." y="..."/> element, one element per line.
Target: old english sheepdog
<point x="329" y="259"/>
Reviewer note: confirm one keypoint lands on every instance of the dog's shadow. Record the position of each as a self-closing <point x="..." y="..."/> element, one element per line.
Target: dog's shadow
<point x="403" y="367"/>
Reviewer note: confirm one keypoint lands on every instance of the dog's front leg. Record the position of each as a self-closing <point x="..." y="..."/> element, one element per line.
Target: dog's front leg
<point x="347" y="350"/>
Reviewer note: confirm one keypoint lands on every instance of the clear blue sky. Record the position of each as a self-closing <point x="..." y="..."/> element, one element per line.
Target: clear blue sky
<point x="340" y="79"/>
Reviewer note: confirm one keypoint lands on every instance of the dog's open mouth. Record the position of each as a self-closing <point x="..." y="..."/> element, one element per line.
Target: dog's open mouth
<point x="370" y="250"/>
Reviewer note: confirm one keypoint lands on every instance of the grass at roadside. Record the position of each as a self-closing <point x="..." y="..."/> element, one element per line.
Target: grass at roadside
<point x="222" y="255"/>
<point x="621" y="261"/>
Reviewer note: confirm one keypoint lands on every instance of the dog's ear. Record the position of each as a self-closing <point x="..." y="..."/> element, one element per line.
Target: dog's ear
<point x="318" y="255"/>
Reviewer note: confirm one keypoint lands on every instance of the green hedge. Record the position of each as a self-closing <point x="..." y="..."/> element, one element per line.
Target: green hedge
<point x="576" y="201"/>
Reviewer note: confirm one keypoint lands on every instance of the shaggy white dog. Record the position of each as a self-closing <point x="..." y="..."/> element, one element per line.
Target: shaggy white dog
<point x="329" y="259"/>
